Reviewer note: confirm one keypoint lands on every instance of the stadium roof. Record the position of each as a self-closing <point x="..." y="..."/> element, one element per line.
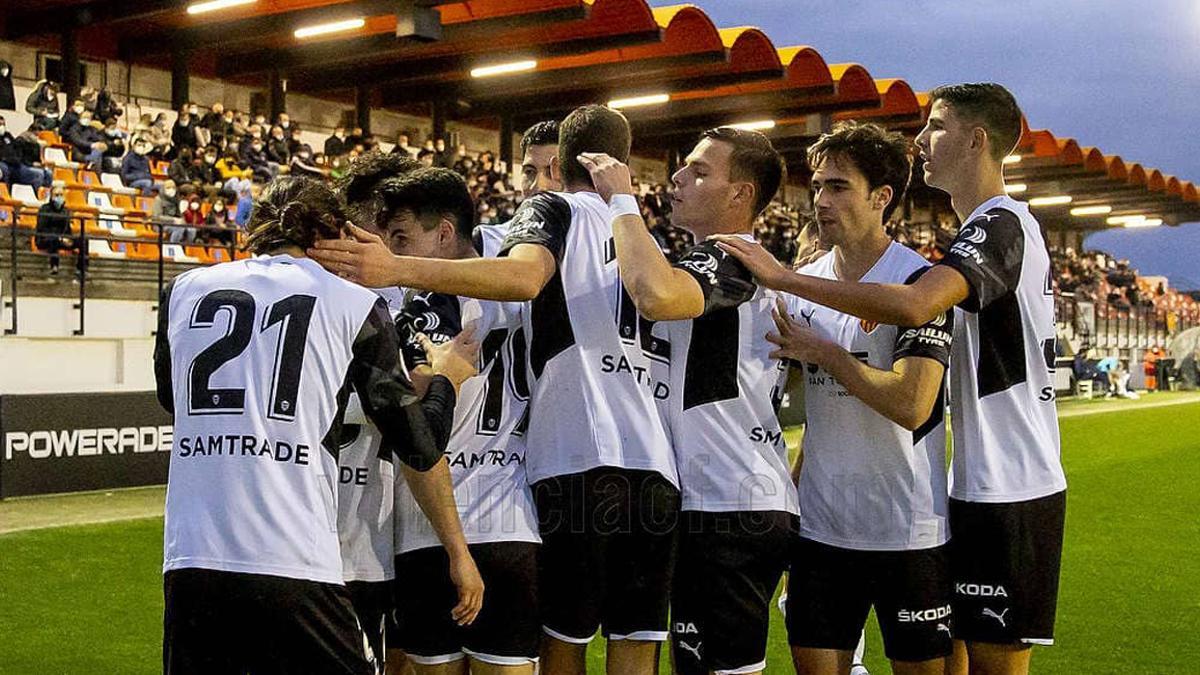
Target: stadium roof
<point x="411" y="53"/>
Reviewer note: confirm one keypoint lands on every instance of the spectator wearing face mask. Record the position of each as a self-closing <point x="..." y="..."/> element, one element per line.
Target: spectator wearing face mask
<point x="254" y="156"/>
<point x="193" y="215"/>
<point x="20" y="159"/>
<point x="182" y="169"/>
<point x="302" y="164"/>
<point x="206" y="172"/>
<point x="166" y="214"/>
<point x="70" y="119"/>
<point x="87" y="142"/>
<point x="8" y="100"/>
<point x="105" y="107"/>
<point x="184" y="133"/>
<point x="402" y="146"/>
<point x="232" y="172"/>
<point x="335" y="145"/>
<point x="135" y="168"/>
<point x="53" y="232"/>
<point x="114" y="138"/>
<point x="278" y="154"/>
<point x="220" y="223"/>
<point x="284" y="122"/>
<point x="42" y="103"/>
<point x="294" y="139"/>
<point x="214" y="122"/>
<point x="159" y="136"/>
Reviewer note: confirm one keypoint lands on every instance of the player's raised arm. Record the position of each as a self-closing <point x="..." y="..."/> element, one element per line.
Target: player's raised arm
<point x="659" y="291"/>
<point x="365" y="259"/>
<point x="896" y="304"/>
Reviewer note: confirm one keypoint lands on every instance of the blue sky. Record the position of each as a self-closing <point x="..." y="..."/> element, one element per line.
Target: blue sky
<point x="1122" y="75"/>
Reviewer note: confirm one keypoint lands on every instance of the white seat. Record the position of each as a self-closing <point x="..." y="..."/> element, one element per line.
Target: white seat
<point x="56" y="157"/>
<point x="100" y="200"/>
<point x="175" y="252"/>
<point x="115" y="227"/>
<point x="99" y="248"/>
<point x="25" y="194"/>
<point x="113" y="182"/>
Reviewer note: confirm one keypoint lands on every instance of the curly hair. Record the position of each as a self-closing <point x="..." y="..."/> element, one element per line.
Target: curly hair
<point x="358" y="186"/>
<point x="883" y="157"/>
<point x="294" y="211"/>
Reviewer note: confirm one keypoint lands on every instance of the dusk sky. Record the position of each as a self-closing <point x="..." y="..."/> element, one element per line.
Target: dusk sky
<point x="1122" y="75"/>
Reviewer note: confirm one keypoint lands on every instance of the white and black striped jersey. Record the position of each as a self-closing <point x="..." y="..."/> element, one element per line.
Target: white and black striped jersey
<point x="255" y="358"/>
<point x="868" y="483"/>
<point x="486" y="451"/>
<point x="366" y="498"/>
<point x="593" y="391"/>
<point x="725" y="392"/>
<point x="1002" y="403"/>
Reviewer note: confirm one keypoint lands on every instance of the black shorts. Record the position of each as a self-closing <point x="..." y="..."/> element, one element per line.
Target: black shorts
<point x="728" y="568"/>
<point x="831" y="591"/>
<point x="507" y="630"/>
<point x="1004" y="561"/>
<point x="372" y="601"/>
<point x="608" y="551"/>
<point x="218" y="623"/>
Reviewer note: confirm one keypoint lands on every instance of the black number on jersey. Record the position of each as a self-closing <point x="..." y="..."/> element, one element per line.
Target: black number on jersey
<point x="501" y="362"/>
<point x="632" y="328"/>
<point x="294" y="312"/>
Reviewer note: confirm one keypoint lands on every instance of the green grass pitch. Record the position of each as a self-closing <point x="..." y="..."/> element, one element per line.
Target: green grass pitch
<point x="87" y="599"/>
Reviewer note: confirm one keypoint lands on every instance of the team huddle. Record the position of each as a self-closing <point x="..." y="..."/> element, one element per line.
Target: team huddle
<point x="407" y="442"/>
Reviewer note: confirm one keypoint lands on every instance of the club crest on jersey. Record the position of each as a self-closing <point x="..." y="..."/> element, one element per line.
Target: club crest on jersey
<point x="973" y="233"/>
<point x="702" y="263"/>
<point x="867" y="326"/>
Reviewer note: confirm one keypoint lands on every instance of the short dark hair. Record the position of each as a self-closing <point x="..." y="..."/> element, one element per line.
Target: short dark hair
<point x="542" y="133"/>
<point x="883" y="157"/>
<point x="989" y="105"/>
<point x="754" y="159"/>
<point x="294" y="211"/>
<point x="429" y="193"/>
<point x="591" y="128"/>
<point x="358" y="185"/>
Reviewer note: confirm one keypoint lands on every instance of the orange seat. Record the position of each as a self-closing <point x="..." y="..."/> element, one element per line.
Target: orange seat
<point x="145" y="204"/>
<point x="65" y="175"/>
<point x="49" y="137"/>
<point x="92" y="180"/>
<point x="77" y="201"/>
<point x="124" y="202"/>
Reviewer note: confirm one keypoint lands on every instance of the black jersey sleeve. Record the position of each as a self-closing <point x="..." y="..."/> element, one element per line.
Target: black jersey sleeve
<point x="163" y="383"/>
<point x="988" y="252"/>
<point x="543" y="219"/>
<point x="387" y="395"/>
<point x="723" y="279"/>
<point x="437" y="315"/>
<point x="931" y="340"/>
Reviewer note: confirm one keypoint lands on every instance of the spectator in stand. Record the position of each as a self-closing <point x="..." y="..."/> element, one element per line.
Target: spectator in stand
<point x="220" y="221"/>
<point x="193" y="215"/>
<point x="294" y="140"/>
<point x="335" y="145"/>
<point x="20" y="159"/>
<point x="43" y="105"/>
<point x="245" y="205"/>
<point x="302" y="164"/>
<point x="254" y="156"/>
<point x="182" y="169"/>
<point x="441" y="157"/>
<point x="240" y="126"/>
<point x="284" y="121"/>
<point x="135" y="168"/>
<point x="159" y="136"/>
<point x="256" y="132"/>
<point x="205" y="171"/>
<point x="105" y="107"/>
<point x="278" y="154"/>
<point x="166" y="214"/>
<point x="402" y="146"/>
<point x="232" y="172"/>
<point x="87" y="142"/>
<point x="54" y="230"/>
<point x="214" y="121"/>
<point x="70" y="119"/>
<point x="114" y="138"/>
<point x="355" y="138"/>
<point x="260" y="120"/>
<point x="426" y="157"/>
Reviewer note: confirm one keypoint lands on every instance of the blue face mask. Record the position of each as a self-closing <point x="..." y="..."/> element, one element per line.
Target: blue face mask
<point x="58" y="202"/>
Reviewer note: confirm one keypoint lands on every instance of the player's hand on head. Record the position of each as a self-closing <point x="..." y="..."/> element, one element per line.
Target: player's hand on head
<point x="765" y="267"/>
<point x="465" y="576"/>
<point x="610" y="176"/>
<point x="796" y="341"/>
<point x="456" y="359"/>
<point x="361" y="257"/>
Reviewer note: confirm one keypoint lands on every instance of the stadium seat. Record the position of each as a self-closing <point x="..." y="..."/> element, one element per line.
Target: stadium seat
<point x="56" y="157"/>
<point x="101" y="201"/>
<point x="6" y="196"/>
<point x="176" y="253"/>
<point x="77" y="201"/>
<point x="92" y="181"/>
<point x="49" y="137"/>
<point x="125" y="202"/>
<point x="65" y="176"/>
<point x="25" y="194"/>
<point x="99" y="248"/>
<point x="219" y="254"/>
<point x="113" y="182"/>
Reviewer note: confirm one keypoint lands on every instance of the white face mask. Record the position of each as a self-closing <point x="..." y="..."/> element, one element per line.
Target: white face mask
<point x="78" y="109"/>
<point x="195" y="206"/>
<point x="170" y="192"/>
<point x="141" y="150"/>
<point x="3" y="129"/>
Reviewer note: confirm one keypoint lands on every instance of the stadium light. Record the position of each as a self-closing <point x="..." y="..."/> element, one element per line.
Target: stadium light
<point x="760" y="125"/>
<point x="1146" y="222"/>
<point x="635" y="101"/>
<point x="1015" y="188"/>
<point x="1121" y="220"/>
<point x="504" y="68"/>
<point x="1056" y="200"/>
<point x="214" y="5"/>
<point x="1012" y="159"/>
<point x="1091" y="210"/>
<point x="331" y="27"/>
